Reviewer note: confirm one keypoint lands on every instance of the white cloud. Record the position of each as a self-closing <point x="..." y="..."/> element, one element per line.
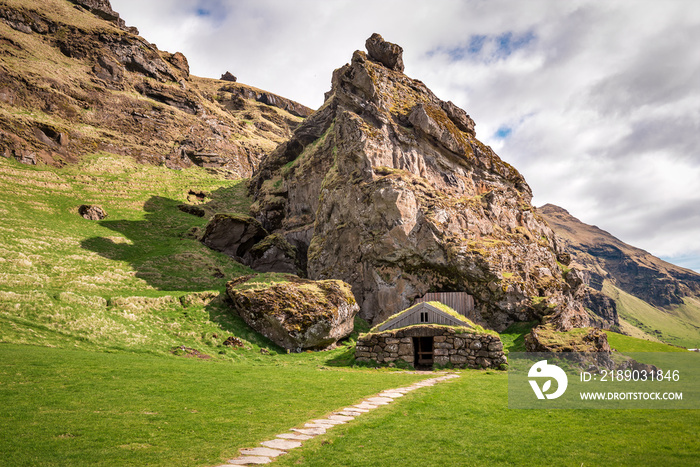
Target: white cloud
<point x="601" y="98"/>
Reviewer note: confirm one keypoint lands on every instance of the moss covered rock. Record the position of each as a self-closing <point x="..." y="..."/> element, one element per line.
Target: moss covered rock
<point x="547" y="338"/>
<point x="296" y="314"/>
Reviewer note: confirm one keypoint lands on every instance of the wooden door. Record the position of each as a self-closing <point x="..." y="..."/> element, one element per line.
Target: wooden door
<point x="423" y="350"/>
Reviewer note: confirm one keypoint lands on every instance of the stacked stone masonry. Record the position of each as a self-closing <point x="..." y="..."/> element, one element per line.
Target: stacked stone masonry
<point x="461" y="349"/>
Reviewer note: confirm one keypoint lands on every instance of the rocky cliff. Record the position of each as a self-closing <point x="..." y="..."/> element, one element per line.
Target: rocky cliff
<point x="75" y="80"/>
<point x="387" y="188"/>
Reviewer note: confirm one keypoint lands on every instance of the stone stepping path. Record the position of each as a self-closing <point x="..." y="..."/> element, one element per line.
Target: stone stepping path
<point x="287" y="441"/>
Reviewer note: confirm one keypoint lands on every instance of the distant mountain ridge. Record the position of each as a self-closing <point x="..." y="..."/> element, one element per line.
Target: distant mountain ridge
<point x="664" y="292"/>
<point x="632" y="269"/>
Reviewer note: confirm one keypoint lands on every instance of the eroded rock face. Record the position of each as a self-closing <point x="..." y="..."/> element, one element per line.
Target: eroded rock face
<point x="386" y="188"/>
<point x="232" y="234"/>
<point x="244" y="239"/>
<point x="297" y="315"/>
<point x="142" y="97"/>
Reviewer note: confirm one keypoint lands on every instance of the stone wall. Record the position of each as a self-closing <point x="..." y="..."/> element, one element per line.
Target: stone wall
<point x="461" y="349"/>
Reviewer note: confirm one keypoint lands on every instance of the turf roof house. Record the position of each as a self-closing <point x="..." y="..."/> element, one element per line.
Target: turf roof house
<point x="428" y="334"/>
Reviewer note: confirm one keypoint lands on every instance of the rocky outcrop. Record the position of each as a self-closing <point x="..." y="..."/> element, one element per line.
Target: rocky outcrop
<point x="103" y="9"/>
<point x="27" y="22"/>
<point x="388" y="54"/>
<point x="299" y="314"/>
<point x="387" y="188"/>
<point x="244" y="239"/>
<point x="179" y="61"/>
<point x="228" y="76"/>
<point x="169" y="96"/>
<point x="108" y="70"/>
<point x="268" y="98"/>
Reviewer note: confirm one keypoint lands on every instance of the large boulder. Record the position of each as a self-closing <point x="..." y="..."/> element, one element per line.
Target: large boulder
<point x="297" y="314"/>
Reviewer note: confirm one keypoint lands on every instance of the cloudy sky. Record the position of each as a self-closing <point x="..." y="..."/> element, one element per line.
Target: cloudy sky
<point x="597" y="103"/>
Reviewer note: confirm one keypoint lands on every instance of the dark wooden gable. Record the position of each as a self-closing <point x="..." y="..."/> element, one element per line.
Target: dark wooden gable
<point x="461" y="302"/>
<point x="422" y="313"/>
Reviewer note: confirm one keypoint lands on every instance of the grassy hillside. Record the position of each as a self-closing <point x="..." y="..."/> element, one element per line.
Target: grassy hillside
<point x="624" y="343"/>
<point x="673" y="325"/>
<point x="137" y="280"/>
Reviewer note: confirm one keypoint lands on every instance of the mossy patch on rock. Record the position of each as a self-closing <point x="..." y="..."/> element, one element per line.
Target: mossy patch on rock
<point x="546" y="338"/>
<point x="295" y="313"/>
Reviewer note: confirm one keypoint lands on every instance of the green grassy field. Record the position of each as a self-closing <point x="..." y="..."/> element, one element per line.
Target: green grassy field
<point x="467" y="422"/>
<point x="76" y="407"/>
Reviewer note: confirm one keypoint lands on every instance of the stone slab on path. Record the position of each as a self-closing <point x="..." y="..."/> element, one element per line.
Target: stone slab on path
<point x="355" y="409"/>
<point x="250" y="460"/>
<point x="366" y="405"/>
<point x="327" y="421"/>
<point x="310" y="431"/>
<point x="317" y="425"/>
<point x="392" y="394"/>
<point x="294" y="436"/>
<point x="283" y="444"/>
<point x="266" y="452"/>
<point x="380" y="400"/>
<point x="340" y="418"/>
<point x="348" y="413"/>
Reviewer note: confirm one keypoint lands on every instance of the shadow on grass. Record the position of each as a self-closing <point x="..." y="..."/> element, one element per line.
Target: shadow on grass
<point x="164" y="251"/>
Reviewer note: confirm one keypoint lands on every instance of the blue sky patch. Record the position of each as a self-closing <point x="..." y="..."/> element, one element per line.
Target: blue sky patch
<point x="503" y="132"/>
<point x="487" y="48"/>
<point x="508" y="43"/>
<point x="213" y="10"/>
